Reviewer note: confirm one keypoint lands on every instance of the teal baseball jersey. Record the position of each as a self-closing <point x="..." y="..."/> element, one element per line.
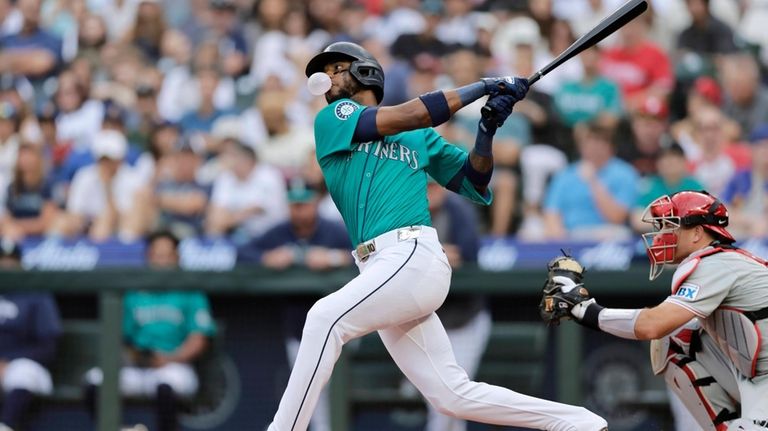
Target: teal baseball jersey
<point x="161" y="321"/>
<point x="382" y="185"/>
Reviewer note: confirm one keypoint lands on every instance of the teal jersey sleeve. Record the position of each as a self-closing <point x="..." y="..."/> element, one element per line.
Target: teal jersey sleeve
<point x="334" y="127"/>
<point x="445" y="161"/>
<point x="198" y="315"/>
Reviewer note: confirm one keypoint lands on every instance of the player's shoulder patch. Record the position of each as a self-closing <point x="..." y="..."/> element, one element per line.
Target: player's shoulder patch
<point x="344" y="109"/>
<point x="687" y="291"/>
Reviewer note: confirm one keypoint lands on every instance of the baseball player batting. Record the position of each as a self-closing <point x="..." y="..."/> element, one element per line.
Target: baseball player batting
<point x="709" y="335"/>
<point x="376" y="161"/>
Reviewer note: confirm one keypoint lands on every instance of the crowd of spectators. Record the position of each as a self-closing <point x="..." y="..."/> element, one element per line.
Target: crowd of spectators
<point x="121" y="117"/>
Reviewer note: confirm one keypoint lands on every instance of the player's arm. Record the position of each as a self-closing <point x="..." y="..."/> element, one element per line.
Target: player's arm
<point x="432" y="109"/>
<point x="634" y="324"/>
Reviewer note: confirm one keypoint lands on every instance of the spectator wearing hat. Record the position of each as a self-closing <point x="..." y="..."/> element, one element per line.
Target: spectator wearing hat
<point x="114" y="117"/>
<point x="746" y="98"/>
<point x="102" y="197"/>
<point x="29" y="329"/>
<point x="247" y="198"/>
<point x="304" y="240"/>
<point x="706" y="35"/>
<point x="639" y="66"/>
<point x="29" y="205"/>
<point x="708" y="151"/>
<point x="591" y="199"/>
<point x="671" y="176"/>
<point x="180" y="198"/>
<point x="145" y="114"/>
<point x="747" y="192"/>
<point x="649" y="127"/>
<point x="704" y="92"/>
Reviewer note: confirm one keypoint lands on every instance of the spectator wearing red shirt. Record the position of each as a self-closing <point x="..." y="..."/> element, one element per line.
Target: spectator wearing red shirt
<point x="640" y="67"/>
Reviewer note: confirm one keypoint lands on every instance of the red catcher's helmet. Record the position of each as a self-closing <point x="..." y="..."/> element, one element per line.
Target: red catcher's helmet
<point x="682" y="209"/>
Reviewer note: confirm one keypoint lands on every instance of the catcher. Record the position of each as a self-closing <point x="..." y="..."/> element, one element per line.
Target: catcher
<point x="709" y="335"/>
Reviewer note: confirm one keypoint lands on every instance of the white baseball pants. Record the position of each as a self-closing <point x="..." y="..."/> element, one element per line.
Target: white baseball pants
<point x="136" y="381"/>
<point x="23" y="373"/>
<point x="397" y="292"/>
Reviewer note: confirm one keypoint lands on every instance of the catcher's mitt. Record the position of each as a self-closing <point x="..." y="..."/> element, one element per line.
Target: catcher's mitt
<point x="562" y="289"/>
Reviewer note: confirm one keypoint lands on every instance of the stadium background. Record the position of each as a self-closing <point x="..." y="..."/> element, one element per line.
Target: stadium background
<point x="222" y="80"/>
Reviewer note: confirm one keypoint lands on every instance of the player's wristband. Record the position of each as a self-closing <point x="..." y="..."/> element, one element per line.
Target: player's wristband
<point x="484" y="140"/>
<point x="591" y="318"/>
<point x="437" y="106"/>
<point x="477" y="178"/>
<point x="470" y="93"/>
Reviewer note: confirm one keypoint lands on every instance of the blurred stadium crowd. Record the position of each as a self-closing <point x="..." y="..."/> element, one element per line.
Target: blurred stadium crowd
<point x="120" y="117"/>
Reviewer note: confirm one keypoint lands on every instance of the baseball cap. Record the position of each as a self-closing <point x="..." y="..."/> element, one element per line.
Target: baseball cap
<point x="708" y="88"/>
<point x="300" y="192"/>
<point x="109" y="144"/>
<point x="654" y="106"/>
<point x="759" y="134"/>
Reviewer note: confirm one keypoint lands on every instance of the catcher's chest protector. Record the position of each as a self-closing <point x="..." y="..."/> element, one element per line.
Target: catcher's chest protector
<point x="737" y="336"/>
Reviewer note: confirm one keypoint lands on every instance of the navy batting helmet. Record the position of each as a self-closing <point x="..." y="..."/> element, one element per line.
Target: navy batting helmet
<point x="364" y="66"/>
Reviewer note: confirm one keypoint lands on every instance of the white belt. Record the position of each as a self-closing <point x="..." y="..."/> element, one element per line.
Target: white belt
<point x="364" y="250"/>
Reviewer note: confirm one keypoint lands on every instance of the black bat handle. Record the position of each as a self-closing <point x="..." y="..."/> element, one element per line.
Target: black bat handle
<point x="487" y="112"/>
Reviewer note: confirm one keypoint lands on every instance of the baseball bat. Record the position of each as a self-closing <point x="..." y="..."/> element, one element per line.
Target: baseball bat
<point x="626" y="13"/>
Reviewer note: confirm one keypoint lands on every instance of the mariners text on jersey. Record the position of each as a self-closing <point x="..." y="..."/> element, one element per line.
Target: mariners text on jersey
<point x="381" y="185"/>
<point x="391" y="151"/>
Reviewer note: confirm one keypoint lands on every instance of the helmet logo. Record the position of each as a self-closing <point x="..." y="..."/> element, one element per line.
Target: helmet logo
<point x="344" y="110"/>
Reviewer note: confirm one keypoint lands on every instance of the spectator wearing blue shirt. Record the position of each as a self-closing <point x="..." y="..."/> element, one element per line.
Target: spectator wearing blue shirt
<point x="31" y="52"/>
<point x="29" y="329"/>
<point x="591" y="199"/>
<point x="307" y="240"/>
<point x="747" y="193"/>
<point x="201" y="119"/>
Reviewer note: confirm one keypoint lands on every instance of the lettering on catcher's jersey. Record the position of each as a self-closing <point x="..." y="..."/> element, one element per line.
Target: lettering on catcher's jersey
<point x="688" y="291"/>
<point x="344" y="110"/>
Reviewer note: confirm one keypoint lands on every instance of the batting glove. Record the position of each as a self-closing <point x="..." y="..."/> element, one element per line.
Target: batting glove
<point x="506" y="85"/>
<point x="498" y="108"/>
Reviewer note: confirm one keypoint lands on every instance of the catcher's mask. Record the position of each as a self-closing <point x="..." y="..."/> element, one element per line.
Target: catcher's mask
<point x="685" y="209"/>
